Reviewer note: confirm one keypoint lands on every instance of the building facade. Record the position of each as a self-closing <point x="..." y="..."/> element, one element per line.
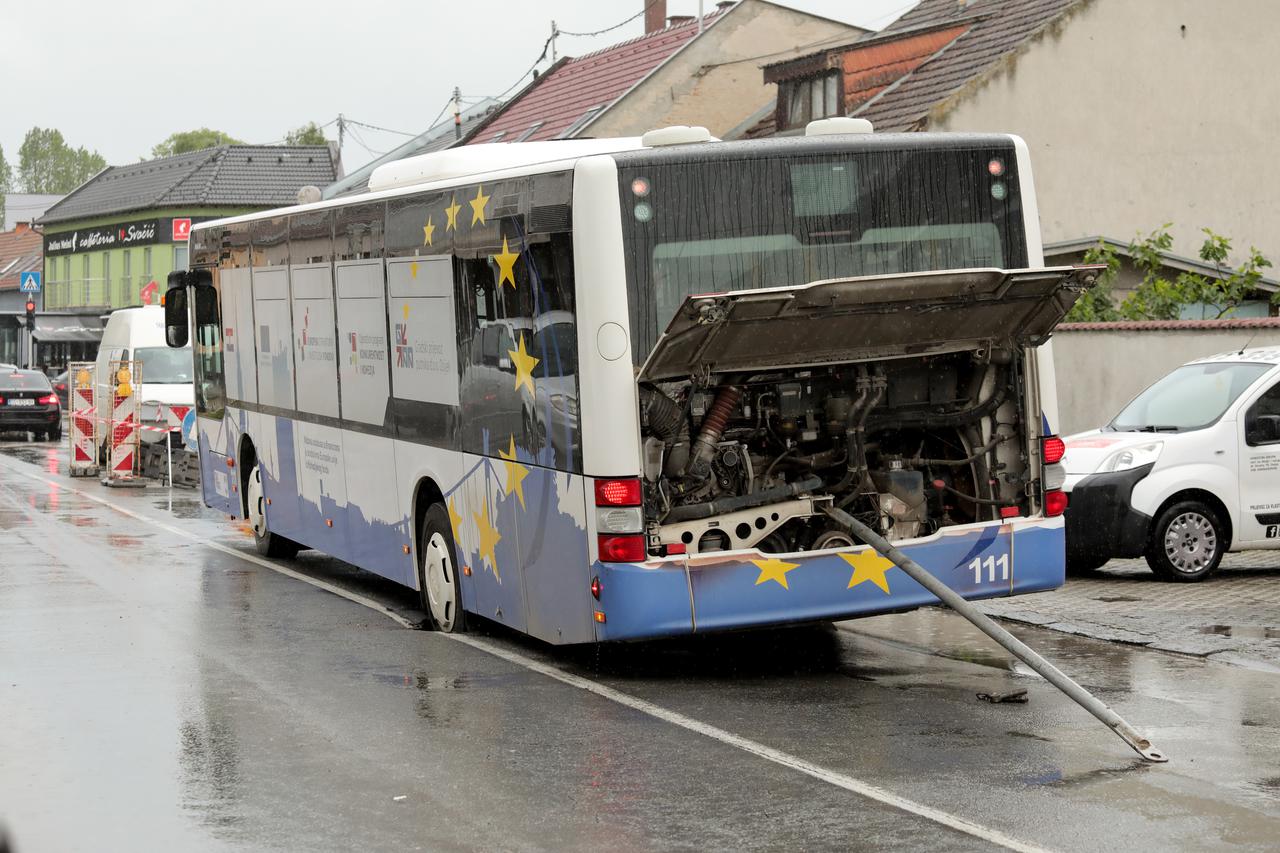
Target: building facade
<point x="113" y="241"/>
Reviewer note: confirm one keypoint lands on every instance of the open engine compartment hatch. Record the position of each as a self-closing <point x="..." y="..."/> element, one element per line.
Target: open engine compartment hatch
<point x="862" y="318"/>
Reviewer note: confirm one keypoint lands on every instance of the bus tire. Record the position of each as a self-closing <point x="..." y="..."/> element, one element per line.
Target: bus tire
<point x="268" y="544"/>
<point x="438" y="575"/>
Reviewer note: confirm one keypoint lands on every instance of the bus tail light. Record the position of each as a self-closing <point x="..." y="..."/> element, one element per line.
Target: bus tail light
<point x="618" y="492"/>
<point x="595" y="588"/>
<point x="1055" y="502"/>
<point x="629" y="548"/>
<point x="1054" y="449"/>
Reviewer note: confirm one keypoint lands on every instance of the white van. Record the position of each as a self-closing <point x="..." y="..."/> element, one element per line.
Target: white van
<point x="1189" y="470"/>
<point x="137" y="334"/>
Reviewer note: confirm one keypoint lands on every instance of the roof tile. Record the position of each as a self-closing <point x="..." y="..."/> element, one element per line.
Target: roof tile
<point x="564" y="94"/>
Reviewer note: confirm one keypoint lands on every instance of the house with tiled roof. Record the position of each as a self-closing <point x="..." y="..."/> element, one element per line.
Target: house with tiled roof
<point x="112" y="241"/>
<point x="1137" y="112"/>
<point x="683" y="70"/>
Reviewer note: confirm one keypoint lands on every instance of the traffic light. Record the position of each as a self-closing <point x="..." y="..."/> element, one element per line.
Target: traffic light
<point x="31" y="313"/>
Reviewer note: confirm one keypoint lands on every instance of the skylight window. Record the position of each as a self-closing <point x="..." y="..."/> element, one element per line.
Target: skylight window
<point x="582" y="122"/>
<point x="531" y="131"/>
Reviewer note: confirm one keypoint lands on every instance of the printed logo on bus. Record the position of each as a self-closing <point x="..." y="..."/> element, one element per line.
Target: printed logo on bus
<point x="404" y="352"/>
<point x="302" y="339"/>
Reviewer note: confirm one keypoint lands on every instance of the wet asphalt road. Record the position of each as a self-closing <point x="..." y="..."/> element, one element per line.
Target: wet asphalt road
<point x="161" y="688"/>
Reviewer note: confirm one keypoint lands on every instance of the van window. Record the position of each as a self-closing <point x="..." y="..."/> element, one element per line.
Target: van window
<point x="1268" y="405"/>
<point x="1191" y="397"/>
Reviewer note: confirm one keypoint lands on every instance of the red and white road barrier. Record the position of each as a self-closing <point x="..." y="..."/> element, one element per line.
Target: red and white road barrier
<point x="81" y="376"/>
<point x="123" y="435"/>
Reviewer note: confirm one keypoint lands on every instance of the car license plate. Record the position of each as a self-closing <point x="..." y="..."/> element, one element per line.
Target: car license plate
<point x="22" y="401"/>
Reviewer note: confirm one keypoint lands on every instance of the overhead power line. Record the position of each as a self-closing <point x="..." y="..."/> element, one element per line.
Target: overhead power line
<point x="646" y="8"/>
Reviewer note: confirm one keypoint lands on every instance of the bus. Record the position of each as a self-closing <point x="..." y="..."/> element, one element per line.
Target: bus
<point x="605" y="389"/>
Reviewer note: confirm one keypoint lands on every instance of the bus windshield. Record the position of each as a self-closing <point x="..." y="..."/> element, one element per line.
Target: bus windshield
<point x="713" y="225"/>
<point x="164" y="366"/>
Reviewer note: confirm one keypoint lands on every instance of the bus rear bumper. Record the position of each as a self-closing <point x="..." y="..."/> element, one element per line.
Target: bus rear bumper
<point x="724" y="591"/>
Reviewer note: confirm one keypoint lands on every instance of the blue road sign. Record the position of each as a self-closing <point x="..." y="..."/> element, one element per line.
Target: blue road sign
<point x="29" y="282"/>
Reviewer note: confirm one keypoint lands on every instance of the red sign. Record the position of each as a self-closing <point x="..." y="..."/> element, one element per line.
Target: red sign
<point x="148" y="292"/>
<point x="181" y="229"/>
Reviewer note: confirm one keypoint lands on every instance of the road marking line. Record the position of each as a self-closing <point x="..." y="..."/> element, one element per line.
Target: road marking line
<point x="831" y="777"/>
<point x="234" y="552"/>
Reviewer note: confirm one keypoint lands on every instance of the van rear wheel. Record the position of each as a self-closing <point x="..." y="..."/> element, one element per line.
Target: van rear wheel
<point x="1187" y="542"/>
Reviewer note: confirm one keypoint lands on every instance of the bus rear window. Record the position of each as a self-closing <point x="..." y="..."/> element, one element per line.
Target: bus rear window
<point x="710" y="225"/>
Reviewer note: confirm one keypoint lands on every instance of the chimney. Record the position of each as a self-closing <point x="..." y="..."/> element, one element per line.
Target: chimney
<point x="675" y="20"/>
<point x="21" y="227"/>
<point x="655" y="15"/>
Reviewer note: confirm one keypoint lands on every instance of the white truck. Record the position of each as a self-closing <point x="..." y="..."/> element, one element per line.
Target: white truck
<point x="1189" y="470"/>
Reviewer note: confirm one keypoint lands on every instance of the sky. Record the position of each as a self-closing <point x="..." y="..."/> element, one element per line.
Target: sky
<point x="119" y="78"/>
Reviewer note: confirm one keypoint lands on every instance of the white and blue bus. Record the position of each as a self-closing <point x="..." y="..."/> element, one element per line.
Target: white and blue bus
<point x="603" y="389"/>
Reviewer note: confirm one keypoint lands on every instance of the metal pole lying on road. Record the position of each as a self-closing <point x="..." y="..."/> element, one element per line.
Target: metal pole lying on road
<point x="986" y="625"/>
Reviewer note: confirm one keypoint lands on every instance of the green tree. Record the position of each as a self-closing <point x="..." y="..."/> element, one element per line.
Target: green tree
<point x="47" y="164"/>
<point x="6" y="183"/>
<point x="193" y="140"/>
<point x="309" y="134"/>
<point x="1159" y="298"/>
<point x="1096" y="305"/>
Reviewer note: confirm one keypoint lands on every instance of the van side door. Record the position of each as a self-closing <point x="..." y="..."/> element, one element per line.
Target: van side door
<point x="1260" y="467"/>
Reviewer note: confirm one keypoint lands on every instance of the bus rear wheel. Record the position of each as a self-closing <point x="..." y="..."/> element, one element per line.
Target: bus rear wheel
<point x="438" y="572"/>
<point x="268" y="544"/>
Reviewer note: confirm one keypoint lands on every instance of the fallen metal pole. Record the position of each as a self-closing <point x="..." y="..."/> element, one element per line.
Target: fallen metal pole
<point x="988" y="626"/>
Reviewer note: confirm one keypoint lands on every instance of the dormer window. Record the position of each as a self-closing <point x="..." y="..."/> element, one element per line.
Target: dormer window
<point x="802" y="100"/>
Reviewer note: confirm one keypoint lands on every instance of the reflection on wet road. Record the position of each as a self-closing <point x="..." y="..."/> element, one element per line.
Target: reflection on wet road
<point x="162" y="694"/>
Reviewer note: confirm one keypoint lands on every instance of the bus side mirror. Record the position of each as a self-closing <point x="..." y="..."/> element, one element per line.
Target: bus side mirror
<point x="176" y="326"/>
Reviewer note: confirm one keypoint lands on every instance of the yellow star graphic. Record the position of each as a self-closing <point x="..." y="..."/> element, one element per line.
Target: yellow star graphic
<point x="868" y="566"/>
<point x="489" y="538"/>
<point x="477" y="206"/>
<point x="774" y="570"/>
<point x="455" y="521"/>
<point x="506" y="265"/>
<point x="515" y="472"/>
<point x="413" y="269"/>
<point x="451" y="215"/>
<point x="524" y="365"/>
<point x="405" y="310"/>
<point x="428" y="230"/>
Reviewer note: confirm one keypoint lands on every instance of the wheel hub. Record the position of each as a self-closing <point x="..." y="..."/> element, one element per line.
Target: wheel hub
<point x="1190" y="542"/>
<point x="440" y="579"/>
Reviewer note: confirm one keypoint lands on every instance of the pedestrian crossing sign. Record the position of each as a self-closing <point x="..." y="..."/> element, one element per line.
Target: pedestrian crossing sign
<point x="29" y="282"/>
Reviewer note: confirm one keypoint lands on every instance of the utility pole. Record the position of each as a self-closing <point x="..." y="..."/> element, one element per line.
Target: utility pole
<point x="457" y="113"/>
<point x="342" y="131"/>
<point x="554" y="33"/>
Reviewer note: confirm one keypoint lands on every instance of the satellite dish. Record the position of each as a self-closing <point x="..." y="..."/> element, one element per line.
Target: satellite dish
<point x="309" y="194"/>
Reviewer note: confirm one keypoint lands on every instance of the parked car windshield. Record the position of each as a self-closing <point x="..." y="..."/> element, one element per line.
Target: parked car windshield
<point x="1191" y="397"/>
<point x="24" y="380"/>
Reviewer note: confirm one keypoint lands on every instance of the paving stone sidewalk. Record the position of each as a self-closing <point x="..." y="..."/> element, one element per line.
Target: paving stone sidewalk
<point x="1233" y="616"/>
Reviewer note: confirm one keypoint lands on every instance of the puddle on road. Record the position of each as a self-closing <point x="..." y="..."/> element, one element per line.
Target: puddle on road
<point x="1242" y="632"/>
<point x="183" y="507"/>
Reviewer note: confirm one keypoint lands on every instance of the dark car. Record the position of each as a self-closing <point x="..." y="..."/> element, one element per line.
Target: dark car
<point x="28" y="404"/>
<point x="60" y="387"/>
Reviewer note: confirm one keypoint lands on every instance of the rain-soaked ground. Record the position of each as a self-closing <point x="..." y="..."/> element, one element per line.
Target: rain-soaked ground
<point x="163" y="688"/>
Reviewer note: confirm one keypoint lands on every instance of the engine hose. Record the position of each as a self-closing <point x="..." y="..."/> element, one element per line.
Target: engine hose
<point x="738" y="502"/>
<point x="704" y="446"/>
<point x="659" y="413"/>
<point x="925" y="419"/>
<point x="991" y="445"/>
<point x="855" y="431"/>
<point x="938" y="484"/>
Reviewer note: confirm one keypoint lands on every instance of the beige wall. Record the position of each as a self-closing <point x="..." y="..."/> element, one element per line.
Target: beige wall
<point x="695" y="87"/>
<point x="1133" y="122"/>
<point x="1091" y="388"/>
